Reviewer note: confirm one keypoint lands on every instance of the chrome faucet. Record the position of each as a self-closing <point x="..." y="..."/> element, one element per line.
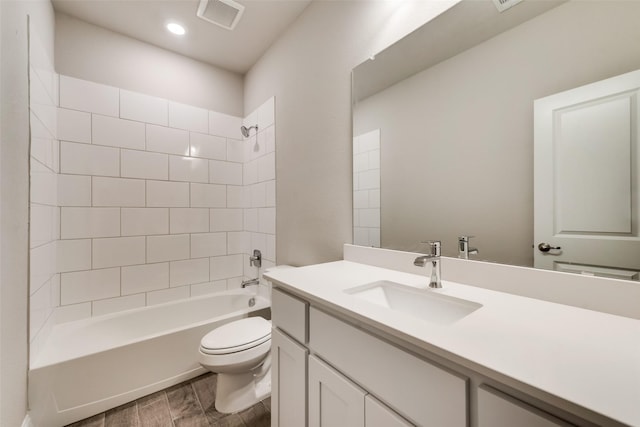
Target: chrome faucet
<point x="434" y="258"/>
<point x="250" y="282"/>
<point x="463" y="247"/>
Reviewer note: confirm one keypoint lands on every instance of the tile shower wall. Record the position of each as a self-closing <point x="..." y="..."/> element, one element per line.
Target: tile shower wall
<point x="366" y="189"/>
<point x="158" y="200"/>
<point x="44" y="280"/>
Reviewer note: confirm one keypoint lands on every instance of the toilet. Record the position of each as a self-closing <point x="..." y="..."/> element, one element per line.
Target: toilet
<point x="239" y="352"/>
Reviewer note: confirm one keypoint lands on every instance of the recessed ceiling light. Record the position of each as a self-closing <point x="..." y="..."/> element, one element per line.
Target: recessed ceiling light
<point x="176" y="28"/>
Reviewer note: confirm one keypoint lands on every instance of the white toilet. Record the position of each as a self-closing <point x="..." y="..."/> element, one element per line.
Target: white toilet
<point x="239" y="352"/>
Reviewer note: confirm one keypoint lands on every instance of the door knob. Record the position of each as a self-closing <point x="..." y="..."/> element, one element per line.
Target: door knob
<point x="545" y="247"/>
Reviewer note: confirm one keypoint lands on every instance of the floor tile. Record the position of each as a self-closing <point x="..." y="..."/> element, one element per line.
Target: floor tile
<point x="95" y="421"/>
<point x="256" y="416"/>
<point x="153" y="411"/>
<point x="122" y="416"/>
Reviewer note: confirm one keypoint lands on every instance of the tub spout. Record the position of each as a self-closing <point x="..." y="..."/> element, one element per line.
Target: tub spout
<point x="250" y="282"/>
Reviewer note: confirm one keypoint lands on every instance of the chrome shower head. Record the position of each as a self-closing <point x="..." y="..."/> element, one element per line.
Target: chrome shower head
<point x="245" y="130"/>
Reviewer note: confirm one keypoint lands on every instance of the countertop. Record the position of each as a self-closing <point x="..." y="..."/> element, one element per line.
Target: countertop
<point x="585" y="357"/>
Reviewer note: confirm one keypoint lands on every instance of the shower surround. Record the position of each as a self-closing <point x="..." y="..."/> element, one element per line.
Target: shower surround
<point x="156" y="201"/>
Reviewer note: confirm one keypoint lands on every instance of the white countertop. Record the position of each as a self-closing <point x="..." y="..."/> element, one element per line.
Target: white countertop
<point x="585" y="357"/>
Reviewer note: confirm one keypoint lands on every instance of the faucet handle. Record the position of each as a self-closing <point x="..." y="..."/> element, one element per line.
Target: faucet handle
<point x="465" y="238"/>
<point x="435" y="246"/>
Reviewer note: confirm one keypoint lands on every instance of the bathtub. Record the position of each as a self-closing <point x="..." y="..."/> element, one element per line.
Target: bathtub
<point x="91" y="365"/>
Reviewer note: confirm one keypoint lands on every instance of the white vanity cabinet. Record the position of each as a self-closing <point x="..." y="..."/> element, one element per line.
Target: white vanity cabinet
<point x="288" y="361"/>
<point x="496" y="409"/>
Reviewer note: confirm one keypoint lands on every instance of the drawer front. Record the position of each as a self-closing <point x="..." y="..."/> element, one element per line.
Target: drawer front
<point x="289" y="314"/>
<point x="376" y="414"/>
<point x="496" y="409"/>
<point x="420" y="391"/>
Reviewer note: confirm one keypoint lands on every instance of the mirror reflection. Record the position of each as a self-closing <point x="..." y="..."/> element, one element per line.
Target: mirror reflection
<point x="444" y="134"/>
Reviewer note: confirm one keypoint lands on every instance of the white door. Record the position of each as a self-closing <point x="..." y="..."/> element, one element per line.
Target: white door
<point x="586" y="180"/>
<point x="334" y="401"/>
<point x="288" y="382"/>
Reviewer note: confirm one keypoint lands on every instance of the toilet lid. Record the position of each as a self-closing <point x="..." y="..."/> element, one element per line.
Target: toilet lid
<point x="237" y="335"/>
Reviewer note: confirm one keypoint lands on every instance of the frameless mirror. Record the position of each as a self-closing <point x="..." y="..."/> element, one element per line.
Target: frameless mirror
<point x="443" y="126"/>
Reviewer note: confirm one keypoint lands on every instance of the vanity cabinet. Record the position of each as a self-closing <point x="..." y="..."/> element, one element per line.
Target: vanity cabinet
<point x="496" y="409"/>
<point x="288" y="381"/>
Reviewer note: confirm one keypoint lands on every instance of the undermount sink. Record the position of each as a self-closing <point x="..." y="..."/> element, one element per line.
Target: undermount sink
<point x="424" y="304"/>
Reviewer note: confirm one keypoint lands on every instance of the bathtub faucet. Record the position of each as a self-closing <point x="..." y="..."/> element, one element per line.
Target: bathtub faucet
<point x="250" y="282"/>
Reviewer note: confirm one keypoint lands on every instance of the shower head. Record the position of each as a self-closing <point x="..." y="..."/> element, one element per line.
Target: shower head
<point x="245" y="130"/>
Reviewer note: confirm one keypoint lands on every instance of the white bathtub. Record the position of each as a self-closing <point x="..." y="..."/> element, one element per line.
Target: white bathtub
<point x="91" y="365"/>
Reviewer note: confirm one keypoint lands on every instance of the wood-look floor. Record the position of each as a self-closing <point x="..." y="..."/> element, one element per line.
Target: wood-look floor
<point x="190" y="404"/>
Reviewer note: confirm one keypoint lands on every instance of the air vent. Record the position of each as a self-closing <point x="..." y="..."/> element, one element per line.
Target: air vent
<point x="225" y="13"/>
<point x="503" y="5"/>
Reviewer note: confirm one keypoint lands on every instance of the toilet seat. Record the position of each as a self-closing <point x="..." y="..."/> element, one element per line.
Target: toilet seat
<point x="240" y="335"/>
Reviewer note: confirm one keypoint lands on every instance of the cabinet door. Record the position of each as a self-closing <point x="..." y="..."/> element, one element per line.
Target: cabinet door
<point x="288" y="382"/>
<point x="333" y="400"/>
<point x="376" y="414"/>
<point x="496" y="409"/>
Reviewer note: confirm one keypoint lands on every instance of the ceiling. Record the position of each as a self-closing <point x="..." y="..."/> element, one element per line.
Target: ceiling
<point x="261" y="24"/>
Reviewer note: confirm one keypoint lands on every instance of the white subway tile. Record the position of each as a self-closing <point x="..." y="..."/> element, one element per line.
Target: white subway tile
<point x="84" y="159"/>
<point x="44" y="187"/>
<point x="369" y="217"/>
<point x="258" y="195"/>
<point x="144" y="221"/>
<point x="78" y="223"/>
<point x="142" y="164"/>
<point x="70" y="313"/>
<point x="84" y="286"/>
<point x="361" y="199"/>
<point x="74" y="125"/>
<point x="224" y="125"/>
<point x="39" y="309"/>
<point x="113" y="305"/>
<point x="41" y="224"/>
<point x="368" y="180"/>
<point x="42" y="265"/>
<point x="374" y="198"/>
<point x="167" y="140"/>
<point x="208" y="195"/>
<point x="361" y="236"/>
<point x="117" y="132"/>
<point x="250" y="172"/>
<point x="271" y="193"/>
<point x="167" y="248"/>
<point x="360" y="162"/>
<point x="55" y="291"/>
<point x="145" y="278"/>
<point x="258" y="241"/>
<point x="168" y="295"/>
<point x="221" y="172"/>
<point x="266" y="113"/>
<point x="267" y="220"/>
<point x="238" y="197"/>
<point x="188" y="220"/>
<point x="84" y="95"/>
<point x="74" y="190"/>
<point x="188" y="169"/>
<point x="73" y="255"/>
<point x="143" y="108"/>
<point x="250" y="220"/>
<point x="270" y="138"/>
<point x="208" y="244"/>
<point x="271" y="248"/>
<point x="239" y="242"/>
<point x="117" y="252"/>
<point x="188" y="272"/>
<point x="235" y="150"/>
<point x="208" y="146"/>
<point x="183" y="116"/>
<point x="256" y="147"/>
<point x="226" y="220"/>
<point x="370" y="141"/>
<point x="118" y="192"/>
<point x="267" y="167"/>
<point x="208" y="288"/>
<point x="374" y="159"/>
<point x="167" y="194"/>
<point x="225" y="267"/>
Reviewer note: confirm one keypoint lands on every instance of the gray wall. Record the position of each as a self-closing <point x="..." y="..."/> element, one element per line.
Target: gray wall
<point x="92" y="53"/>
<point x="457" y="139"/>
<point x="14" y="198"/>
<point x="309" y="71"/>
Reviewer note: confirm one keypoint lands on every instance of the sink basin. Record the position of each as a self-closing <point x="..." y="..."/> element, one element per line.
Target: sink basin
<point x="423" y="304"/>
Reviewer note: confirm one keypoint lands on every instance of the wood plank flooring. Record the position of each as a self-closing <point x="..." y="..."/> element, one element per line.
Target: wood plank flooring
<point x="189" y="404"/>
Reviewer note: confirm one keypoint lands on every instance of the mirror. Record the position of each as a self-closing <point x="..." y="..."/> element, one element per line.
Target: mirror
<point x="444" y="120"/>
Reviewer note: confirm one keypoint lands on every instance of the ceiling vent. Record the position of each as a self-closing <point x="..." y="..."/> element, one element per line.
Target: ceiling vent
<point x="503" y="5"/>
<point x="225" y="13"/>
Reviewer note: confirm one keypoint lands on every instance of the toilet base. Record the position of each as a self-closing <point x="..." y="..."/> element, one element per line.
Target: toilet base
<point x="237" y="392"/>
